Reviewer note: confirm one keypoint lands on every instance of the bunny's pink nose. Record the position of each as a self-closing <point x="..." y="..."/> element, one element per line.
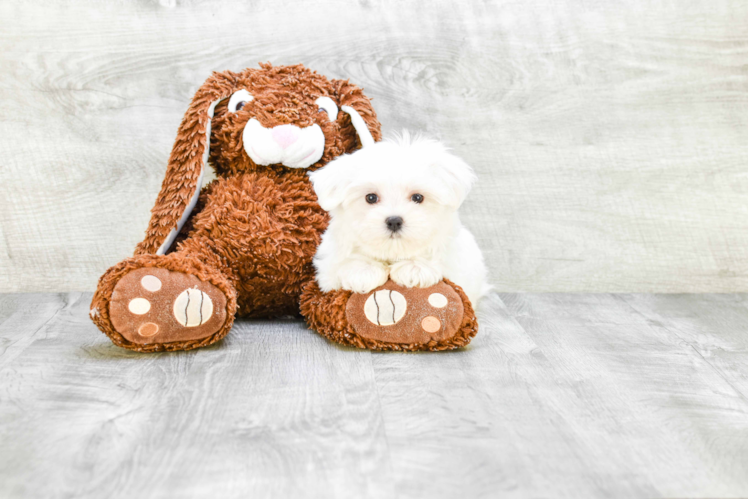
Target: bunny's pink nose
<point x="285" y="135"/>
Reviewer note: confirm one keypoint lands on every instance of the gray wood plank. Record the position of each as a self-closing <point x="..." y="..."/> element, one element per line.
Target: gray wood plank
<point x="714" y="326"/>
<point x="609" y="137"/>
<point x="23" y="318"/>
<point x="570" y="395"/>
<point x="271" y="411"/>
<point x="645" y="405"/>
<point x="566" y="395"/>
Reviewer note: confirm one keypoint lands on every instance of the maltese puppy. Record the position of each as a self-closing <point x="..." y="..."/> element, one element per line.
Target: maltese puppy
<point x="393" y="213"/>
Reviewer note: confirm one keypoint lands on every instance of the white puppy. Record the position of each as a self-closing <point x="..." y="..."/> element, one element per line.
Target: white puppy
<point x="393" y="212"/>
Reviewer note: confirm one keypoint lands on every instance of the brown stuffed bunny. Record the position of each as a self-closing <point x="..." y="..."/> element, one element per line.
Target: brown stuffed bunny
<point x="244" y="243"/>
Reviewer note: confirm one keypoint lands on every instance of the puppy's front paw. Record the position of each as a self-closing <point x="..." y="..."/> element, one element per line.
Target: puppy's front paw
<point x="363" y="277"/>
<point x="412" y="274"/>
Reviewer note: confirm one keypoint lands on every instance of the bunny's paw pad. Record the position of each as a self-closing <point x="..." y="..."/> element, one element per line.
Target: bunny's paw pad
<point x="395" y="314"/>
<point x="152" y="305"/>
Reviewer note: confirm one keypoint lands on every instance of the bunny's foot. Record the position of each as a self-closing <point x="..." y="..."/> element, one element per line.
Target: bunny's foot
<point x="393" y="317"/>
<point x="153" y="308"/>
<point x="157" y="305"/>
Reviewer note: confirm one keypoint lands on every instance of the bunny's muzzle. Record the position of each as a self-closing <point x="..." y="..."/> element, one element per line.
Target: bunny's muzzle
<point x="288" y="145"/>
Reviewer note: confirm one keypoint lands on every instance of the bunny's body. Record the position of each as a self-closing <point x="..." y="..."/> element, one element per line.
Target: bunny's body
<point x="262" y="229"/>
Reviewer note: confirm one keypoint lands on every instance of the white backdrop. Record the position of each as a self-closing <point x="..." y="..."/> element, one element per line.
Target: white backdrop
<point x="610" y="138"/>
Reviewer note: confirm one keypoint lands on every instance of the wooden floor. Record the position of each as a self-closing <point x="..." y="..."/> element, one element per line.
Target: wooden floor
<point x="559" y="395"/>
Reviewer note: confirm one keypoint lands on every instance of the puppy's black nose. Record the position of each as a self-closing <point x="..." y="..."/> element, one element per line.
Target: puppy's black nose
<point x="394" y="224"/>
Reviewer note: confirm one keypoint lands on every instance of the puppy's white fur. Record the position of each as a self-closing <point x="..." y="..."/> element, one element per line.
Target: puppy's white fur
<point x="358" y="251"/>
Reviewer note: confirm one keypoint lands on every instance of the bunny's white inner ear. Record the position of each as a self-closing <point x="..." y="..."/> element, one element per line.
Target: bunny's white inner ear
<point x="198" y="186"/>
<point x="360" y="125"/>
<point x="329" y="106"/>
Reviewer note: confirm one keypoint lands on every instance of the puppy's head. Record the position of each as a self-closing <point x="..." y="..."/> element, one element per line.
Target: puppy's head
<point x="395" y="196"/>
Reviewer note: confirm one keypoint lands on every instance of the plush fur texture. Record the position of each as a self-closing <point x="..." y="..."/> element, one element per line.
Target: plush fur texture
<point x="359" y="251"/>
<point x="255" y="229"/>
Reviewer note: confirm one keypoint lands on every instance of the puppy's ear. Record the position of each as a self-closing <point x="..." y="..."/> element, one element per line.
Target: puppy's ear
<point x="184" y="174"/>
<point x="455" y="175"/>
<point x="332" y="181"/>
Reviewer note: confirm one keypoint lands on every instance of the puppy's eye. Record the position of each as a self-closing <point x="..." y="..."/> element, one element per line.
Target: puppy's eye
<point x="417" y="198"/>
<point x="239" y="99"/>
<point x="328" y="105"/>
<point x="371" y="198"/>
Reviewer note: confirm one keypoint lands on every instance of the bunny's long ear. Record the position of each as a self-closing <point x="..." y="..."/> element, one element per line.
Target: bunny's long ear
<point x="363" y="119"/>
<point x="184" y="174"/>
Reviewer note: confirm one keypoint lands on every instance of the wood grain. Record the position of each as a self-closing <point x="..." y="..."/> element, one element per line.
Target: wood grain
<point x="610" y="139"/>
<point x="272" y="411"/>
<point x="560" y="395"/>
